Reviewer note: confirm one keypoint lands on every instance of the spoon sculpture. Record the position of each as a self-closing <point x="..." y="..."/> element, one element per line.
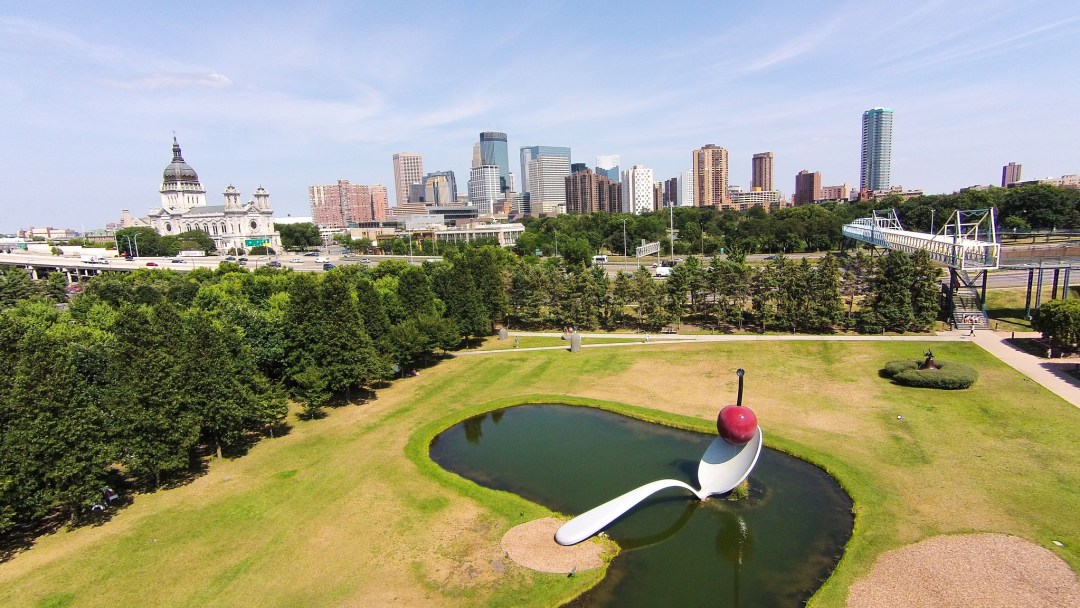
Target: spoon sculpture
<point x="723" y="467"/>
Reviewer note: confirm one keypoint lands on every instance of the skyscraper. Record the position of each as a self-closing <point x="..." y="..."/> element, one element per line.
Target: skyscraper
<point x="1010" y="173"/>
<point x="484" y="188"/>
<point x="710" y="165"/>
<point x="440" y="188"/>
<point x="686" y="188"/>
<point x="544" y="170"/>
<point x="408" y="170"/>
<point x="529" y="153"/>
<point x="876" y="167"/>
<point x="637" y="190"/>
<point x="608" y="166"/>
<point x="493" y="152"/>
<point x="762" y="171"/>
<point x="807" y="187"/>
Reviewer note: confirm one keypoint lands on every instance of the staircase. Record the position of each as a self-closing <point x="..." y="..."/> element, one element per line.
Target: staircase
<point x="966" y="311"/>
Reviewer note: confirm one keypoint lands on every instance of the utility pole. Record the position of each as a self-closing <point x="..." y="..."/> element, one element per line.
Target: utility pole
<point x="624" y="239"/>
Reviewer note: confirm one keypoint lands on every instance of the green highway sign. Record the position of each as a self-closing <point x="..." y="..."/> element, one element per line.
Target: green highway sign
<point x="538" y="252"/>
<point x="255" y="242"/>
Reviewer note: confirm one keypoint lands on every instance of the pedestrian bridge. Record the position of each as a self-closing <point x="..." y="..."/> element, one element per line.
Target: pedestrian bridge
<point x="968" y="241"/>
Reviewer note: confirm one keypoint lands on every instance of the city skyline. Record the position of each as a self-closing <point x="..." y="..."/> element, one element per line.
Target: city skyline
<point x="99" y="91"/>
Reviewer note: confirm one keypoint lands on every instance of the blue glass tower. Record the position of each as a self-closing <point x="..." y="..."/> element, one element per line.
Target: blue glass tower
<point x="493" y="152"/>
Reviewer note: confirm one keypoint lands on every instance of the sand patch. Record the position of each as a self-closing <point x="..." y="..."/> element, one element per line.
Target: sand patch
<point x="533" y="545"/>
<point x="976" y="571"/>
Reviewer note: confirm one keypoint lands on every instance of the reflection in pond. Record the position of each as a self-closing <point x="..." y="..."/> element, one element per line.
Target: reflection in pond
<point x="773" y="549"/>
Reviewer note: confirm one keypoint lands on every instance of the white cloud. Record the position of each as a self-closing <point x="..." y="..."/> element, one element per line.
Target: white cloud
<point x="172" y="79"/>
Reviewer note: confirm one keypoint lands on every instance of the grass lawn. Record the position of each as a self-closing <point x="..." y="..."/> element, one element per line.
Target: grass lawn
<point x="1005" y="307"/>
<point x="348" y="510"/>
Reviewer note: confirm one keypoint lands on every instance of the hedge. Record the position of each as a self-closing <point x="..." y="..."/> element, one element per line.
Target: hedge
<point x="948" y="376"/>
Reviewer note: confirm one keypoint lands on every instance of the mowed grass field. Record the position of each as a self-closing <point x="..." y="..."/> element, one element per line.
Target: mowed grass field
<point x="348" y="510"/>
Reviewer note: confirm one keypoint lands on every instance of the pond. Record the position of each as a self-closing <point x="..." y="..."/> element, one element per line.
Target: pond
<point x="773" y="549"/>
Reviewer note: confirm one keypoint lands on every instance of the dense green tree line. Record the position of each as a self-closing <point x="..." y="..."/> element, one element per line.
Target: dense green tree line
<point x="147" y="372"/>
<point x="807" y="228"/>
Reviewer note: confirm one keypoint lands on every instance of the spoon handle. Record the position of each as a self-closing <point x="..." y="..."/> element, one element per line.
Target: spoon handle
<point x="592" y="521"/>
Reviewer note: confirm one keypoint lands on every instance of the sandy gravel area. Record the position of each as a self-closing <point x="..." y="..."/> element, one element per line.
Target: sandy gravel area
<point x="976" y="571"/>
<point x="533" y="545"/>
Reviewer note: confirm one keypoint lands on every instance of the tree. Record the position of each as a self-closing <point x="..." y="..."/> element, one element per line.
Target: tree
<point x="890" y="307"/>
<point x="299" y="236"/>
<point x="925" y="291"/>
<point x="15" y="286"/>
<point x="1059" y="322"/>
<point x="196" y="240"/>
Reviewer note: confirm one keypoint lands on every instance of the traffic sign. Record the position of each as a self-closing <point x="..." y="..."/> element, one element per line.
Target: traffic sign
<point x="255" y="242"/>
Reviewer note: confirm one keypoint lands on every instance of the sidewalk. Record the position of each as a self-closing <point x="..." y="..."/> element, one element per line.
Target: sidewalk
<point x="1051" y="373"/>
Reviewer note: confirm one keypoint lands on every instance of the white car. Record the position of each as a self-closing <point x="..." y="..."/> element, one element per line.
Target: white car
<point x="297" y="261"/>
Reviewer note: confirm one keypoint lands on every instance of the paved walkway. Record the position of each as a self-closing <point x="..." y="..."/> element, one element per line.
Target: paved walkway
<point x="1050" y="373"/>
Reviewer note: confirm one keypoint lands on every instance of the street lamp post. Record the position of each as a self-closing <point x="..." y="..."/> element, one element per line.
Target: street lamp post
<point x="671" y="213"/>
<point x="624" y="239"/>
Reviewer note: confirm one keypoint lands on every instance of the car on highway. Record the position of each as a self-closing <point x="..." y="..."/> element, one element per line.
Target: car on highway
<point x="311" y="254"/>
<point x="365" y="261"/>
<point x="178" y="260"/>
<point x="328" y="266"/>
<point x="242" y="262"/>
<point x="242" y="259"/>
<point x="274" y="264"/>
<point x="151" y="264"/>
<point x="230" y="258"/>
<point x="296" y="261"/>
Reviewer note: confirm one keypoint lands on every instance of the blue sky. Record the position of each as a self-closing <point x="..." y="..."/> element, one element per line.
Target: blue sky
<point x="285" y="95"/>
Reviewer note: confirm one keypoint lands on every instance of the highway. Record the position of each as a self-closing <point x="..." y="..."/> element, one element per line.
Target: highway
<point x="296" y="261"/>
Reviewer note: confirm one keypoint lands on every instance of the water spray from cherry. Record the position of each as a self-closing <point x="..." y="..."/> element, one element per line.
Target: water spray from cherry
<point x="737" y="424"/>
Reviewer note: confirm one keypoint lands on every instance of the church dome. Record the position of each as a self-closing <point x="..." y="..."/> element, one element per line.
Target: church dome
<point x="178" y="170"/>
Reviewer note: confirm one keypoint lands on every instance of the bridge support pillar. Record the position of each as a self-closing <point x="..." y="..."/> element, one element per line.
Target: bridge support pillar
<point x="1065" y="287"/>
<point x="1054" y="290"/>
<point x="1027" y="303"/>
<point x="1039" y="288"/>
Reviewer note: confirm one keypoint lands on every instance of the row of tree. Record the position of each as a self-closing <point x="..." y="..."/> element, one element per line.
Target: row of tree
<point x="896" y="292"/>
<point x="807" y="228"/>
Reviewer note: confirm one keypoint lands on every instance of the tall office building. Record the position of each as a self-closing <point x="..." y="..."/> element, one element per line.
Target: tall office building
<point x="807" y="187"/>
<point x="544" y="177"/>
<point x="493" y="153"/>
<point x="529" y="153"/>
<point x="710" y="165"/>
<point x="671" y="192"/>
<point x="1010" y="173"/>
<point x="587" y="192"/>
<point x="476" y="158"/>
<point x="342" y="204"/>
<point x="637" y="190"/>
<point x="408" y="170"/>
<point x="608" y="166"/>
<point x="762" y="171"/>
<point x="440" y="188"/>
<point x="876" y="167"/>
<point x="484" y="188"/>
<point x="575" y="167"/>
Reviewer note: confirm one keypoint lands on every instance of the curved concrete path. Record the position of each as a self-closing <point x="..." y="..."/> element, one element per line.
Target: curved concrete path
<point x="1050" y="373"/>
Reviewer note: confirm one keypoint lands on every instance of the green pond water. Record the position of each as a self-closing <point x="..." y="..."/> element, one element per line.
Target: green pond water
<point x="773" y="549"/>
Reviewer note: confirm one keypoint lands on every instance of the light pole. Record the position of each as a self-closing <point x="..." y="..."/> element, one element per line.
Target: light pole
<point x="624" y="239"/>
<point x="556" y="243"/>
<point x="671" y="213"/>
<point x="410" y="248"/>
<point x="703" y="239"/>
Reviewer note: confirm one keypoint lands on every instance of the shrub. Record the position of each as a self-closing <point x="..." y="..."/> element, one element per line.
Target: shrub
<point x="948" y="376"/>
<point x="898" y="365"/>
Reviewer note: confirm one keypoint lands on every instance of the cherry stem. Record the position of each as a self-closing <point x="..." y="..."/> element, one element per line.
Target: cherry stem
<point x="740" y="373"/>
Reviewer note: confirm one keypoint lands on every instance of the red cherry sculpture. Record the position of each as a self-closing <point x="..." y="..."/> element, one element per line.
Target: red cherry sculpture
<point x="736" y="424"/>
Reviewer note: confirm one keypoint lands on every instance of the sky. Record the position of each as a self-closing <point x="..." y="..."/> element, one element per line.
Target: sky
<point x="288" y="94"/>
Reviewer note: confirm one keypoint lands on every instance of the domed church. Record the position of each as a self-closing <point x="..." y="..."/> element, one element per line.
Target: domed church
<point x="232" y="225"/>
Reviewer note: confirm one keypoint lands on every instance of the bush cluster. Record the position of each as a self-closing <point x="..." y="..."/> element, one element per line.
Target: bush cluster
<point x="949" y="376"/>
